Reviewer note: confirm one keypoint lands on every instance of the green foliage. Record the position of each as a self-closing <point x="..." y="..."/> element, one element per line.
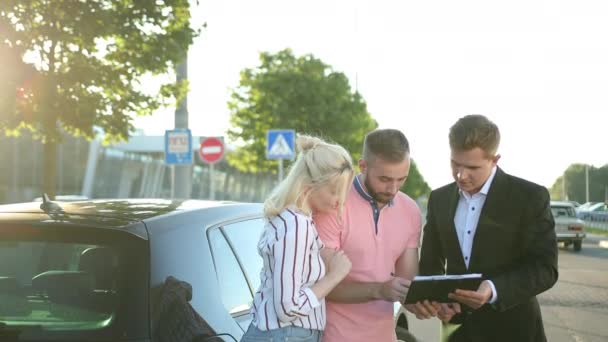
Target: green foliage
<point x="289" y="92"/>
<point x="87" y="60"/>
<point x="598" y="231"/>
<point x="576" y="186"/>
<point x="415" y="185"/>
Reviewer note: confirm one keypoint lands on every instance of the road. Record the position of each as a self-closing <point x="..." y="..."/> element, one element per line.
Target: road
<point x="576" y="308"/>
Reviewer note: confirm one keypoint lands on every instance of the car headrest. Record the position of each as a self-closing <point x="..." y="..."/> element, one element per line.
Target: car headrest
<point x="101" y="263"/>
<point x="62" y="285"/>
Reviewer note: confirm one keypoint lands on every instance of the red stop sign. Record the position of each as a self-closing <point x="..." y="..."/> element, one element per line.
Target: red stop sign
<point x="211" y="150"/>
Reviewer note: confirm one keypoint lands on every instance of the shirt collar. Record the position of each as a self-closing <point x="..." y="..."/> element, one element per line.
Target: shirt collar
<point x="485" y="188"/>
<point x="363" y="193"/>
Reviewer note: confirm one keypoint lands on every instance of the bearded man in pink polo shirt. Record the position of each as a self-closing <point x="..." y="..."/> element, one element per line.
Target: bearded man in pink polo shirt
<point x="379" y="230"/>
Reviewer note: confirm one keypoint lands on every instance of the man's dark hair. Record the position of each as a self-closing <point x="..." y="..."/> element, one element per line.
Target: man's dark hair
<point x="390" y="145"/>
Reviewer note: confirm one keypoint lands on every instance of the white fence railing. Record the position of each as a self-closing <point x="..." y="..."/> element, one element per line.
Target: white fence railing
<point x="599" y="224"/>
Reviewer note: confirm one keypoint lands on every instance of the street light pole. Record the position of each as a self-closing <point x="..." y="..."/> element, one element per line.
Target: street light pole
<point x="182" y="176"/>
<point x="586" y="183"/>
<point x="564" y="188"/>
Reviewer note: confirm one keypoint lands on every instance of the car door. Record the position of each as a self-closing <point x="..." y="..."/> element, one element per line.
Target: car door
<point x="238" y="265"/>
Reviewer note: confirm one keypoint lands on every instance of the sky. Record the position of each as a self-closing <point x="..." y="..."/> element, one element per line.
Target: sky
<point x="538" y="69"/>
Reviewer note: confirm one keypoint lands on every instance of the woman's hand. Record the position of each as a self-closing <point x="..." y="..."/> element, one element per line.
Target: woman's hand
<point x="339" y="264"/>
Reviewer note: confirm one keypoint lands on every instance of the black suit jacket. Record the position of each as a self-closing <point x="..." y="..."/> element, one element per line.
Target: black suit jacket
<point x="514" y="246"/>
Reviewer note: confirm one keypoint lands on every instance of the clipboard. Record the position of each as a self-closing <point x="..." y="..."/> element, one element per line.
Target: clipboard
<point x="437" y="288"/>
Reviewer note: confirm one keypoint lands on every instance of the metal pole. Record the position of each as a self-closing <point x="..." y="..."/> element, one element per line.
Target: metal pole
<point x="211" y="183"/>
<point x="60" y="167"/>
<point x="280" y="170"/>
<point x="586" y="183"/>
<point x="564" y="191"/>
<point x="182" y="174"/>
<point x="15" y="175"/>
<point x="172" y="181"/>
<point x="88" y="186"/>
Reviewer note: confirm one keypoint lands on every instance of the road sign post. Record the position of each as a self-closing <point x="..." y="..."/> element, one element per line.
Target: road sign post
<point x="280" y="144"/>
<point x="211" y="152"/>
<point x="178" y="151"/>
<point x="178" y="147"/>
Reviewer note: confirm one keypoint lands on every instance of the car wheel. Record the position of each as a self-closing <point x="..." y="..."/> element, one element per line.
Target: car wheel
<point x="578" y="245"/>
<point x="404" y="335"/>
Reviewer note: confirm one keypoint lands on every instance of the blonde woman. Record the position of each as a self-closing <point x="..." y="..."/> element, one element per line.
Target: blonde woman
<point x="289" y="303"/>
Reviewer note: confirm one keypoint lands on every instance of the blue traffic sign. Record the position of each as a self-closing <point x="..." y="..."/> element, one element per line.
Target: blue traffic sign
<point x="178" y="147"/>
<point x="280" y="144"/>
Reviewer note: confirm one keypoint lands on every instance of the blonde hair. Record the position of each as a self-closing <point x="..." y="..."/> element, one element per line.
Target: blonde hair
<point x="318" y="164"/>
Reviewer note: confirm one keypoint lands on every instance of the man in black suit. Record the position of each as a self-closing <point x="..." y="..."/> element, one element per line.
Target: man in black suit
<point x="495" y="224"/>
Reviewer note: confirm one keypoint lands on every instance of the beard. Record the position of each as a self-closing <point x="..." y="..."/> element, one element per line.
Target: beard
<point x="380" y="197"/>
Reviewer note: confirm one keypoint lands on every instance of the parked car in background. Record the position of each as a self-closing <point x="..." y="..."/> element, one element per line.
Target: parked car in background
<point x="594" y="212"/>
<point x="575" y="203"/>
<point x="569" y="229"/>
<point x="585" y="205"/>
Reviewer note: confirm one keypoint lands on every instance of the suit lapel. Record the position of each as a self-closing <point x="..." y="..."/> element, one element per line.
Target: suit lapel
<point x="454" y="244"/>
<point x="491" y="209"/>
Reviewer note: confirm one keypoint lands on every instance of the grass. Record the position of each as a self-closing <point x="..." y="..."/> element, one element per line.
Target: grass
<point x="596" y="231"/>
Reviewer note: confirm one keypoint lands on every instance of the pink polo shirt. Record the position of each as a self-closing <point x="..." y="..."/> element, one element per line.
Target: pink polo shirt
<point x="373" y="240"/>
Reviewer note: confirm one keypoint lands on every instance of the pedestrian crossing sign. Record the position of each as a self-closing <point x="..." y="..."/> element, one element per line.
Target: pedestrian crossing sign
<point x="280" y="144"/>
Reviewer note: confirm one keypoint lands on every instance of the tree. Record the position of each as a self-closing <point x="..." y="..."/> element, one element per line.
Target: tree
<point x="576" y="187"/>
<point x="289" y="92"/>
<point x="415" y="185"/>
<point x="304" y="94"/>
<point x="87" y="60"/>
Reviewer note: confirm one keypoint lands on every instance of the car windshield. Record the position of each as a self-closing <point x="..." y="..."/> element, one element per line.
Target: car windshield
<point x="559" y="211"/>
<point x="597" y="207"/>
<point x="61" y="281"/>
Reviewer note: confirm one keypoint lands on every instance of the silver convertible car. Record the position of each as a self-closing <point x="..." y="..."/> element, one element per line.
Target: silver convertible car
<point x="129" y="270"/>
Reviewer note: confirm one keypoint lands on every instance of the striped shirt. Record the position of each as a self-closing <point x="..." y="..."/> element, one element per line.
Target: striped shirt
<point x="290" y="247"/>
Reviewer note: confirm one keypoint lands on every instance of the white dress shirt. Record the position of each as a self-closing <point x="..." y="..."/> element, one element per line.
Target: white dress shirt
<point x="466" y="220"/>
